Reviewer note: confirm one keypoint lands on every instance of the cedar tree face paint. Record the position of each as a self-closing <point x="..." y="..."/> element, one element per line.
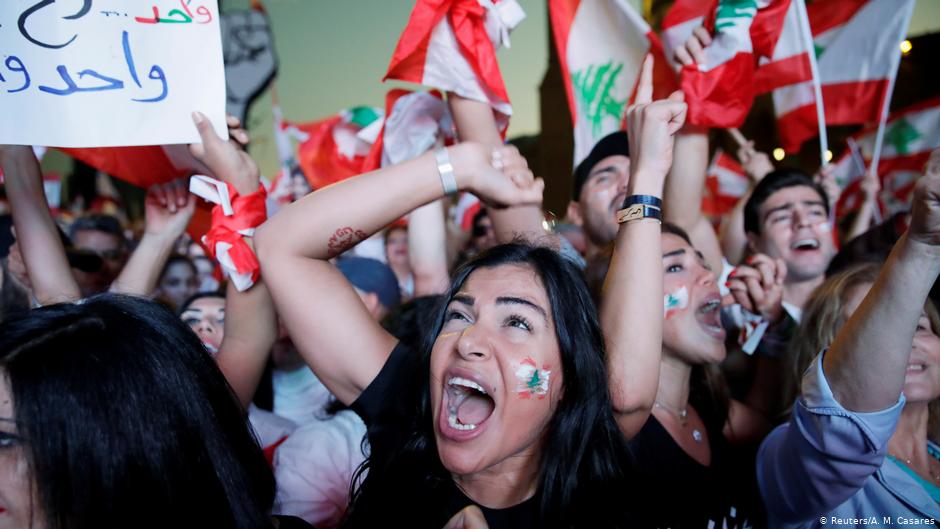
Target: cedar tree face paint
<point x="675" y="301"/>
<point x="532" y="381"/>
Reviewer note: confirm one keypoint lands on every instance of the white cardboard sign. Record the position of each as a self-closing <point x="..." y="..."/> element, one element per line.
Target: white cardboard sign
<point x="107" y="73"/>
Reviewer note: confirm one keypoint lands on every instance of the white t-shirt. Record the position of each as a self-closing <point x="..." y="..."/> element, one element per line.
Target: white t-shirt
<point x="268" y="427"/>
<point x="299" y="395"/>
<point x="315" y="466"/>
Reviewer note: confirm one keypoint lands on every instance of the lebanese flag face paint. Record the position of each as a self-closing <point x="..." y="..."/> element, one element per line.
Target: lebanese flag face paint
<point x="601" y="47"/>
<point x="532" y="381"/>
<point x="674" y="302"/>
<point x="855" y="42"/>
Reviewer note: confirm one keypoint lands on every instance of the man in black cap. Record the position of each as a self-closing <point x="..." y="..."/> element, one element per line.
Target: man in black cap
<point x="600" y="186"/>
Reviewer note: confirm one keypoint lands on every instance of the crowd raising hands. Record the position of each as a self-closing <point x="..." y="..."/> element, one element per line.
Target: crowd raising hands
<point x="273" y="370"/>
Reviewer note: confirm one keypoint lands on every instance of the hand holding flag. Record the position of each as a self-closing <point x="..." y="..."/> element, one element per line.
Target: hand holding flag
<point x="693" y="51"/>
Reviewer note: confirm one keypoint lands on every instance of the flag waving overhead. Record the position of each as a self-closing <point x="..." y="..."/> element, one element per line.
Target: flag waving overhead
<point x="720" y="91"/>
<point x="601" y="47"/>
<point x="451" y="45"/>
<point x="910" y="136"/>
<point x="725" y="184"/>
<point x="336" y="148"/>
<point x="856" y="44"/>
<point x="415" y="123"/>
<point x="141" y="166"/>
<point x="683" y="17"/>
<point x="784" y="57"/>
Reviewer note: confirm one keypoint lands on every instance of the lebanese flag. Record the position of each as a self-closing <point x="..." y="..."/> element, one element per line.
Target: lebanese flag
<point x="856" y="42"/>
<point x="683" y="17"/>
<point x="911" y="134"/>
<point x="336" y="148"/>
<point x="450" y="45"/>
<point x="416" y="122"/>
<point x="725" y="184"/>
<point x="785" y="59"/>
<point x="775" y="36"/>
<point x="601" y="46"/>
<point x="720" y="92"/>
<point x="142" y="166"/>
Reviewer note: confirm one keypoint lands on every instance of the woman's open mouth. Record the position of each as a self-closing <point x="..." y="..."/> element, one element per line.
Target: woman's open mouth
<point x="709" y="318"/>
<point x="465" y="408"/>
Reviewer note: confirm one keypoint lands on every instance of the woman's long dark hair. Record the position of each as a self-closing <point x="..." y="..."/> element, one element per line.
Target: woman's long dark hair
<point x="126" y="421"/>
<point x="583" y="461"/>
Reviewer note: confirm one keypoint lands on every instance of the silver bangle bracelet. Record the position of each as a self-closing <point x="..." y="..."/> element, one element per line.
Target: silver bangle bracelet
<point x="446" y="170"/>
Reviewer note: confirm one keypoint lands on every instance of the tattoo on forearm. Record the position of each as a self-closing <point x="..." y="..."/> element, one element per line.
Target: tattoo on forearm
<point x="344" y="239"/>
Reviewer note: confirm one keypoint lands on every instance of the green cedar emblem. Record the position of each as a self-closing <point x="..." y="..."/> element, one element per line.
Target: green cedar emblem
<point x="818" y="49"/>
<point x="900" y="135"/>
<point x="728" y="10"/>
<point x="362" y="116"/>
<point x="594" y="88"/>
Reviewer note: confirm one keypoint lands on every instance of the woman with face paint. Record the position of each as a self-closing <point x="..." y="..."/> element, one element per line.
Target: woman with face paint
<point x="686" y="446"/>
<point x="506" y="405"/>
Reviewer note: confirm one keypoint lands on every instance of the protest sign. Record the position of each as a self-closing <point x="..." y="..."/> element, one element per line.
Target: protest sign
<point x="105" y="73"/>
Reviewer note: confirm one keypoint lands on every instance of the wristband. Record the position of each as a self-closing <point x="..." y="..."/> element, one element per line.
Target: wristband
<point x="639" y="212"/>
<point x="446" y="170"/>
<point x="649" y="200"/>
<point x="225" y="242"/>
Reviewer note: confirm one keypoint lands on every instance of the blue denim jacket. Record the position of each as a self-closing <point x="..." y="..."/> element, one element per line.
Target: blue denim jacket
<point x="828" y="462"/>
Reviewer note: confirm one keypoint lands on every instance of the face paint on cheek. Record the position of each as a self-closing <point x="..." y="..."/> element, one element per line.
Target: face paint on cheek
<point x="675" y="301"/>
<point x="825" y="227"/>
<point x="532" y="381"/>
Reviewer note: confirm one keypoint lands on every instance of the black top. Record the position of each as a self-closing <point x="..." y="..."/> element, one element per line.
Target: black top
<point x="402" y="490"/>
<point x="685" y="494"/>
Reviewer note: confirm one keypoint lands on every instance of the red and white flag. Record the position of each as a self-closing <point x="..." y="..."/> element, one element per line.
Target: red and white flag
<point x="142" y="166"/>
<point x="856" y="45"/>
<point x="683" y="17"/>
<point x="336" y="148"/>
<point x="785" y="55"/>
<point x="911" y="134"/>
<point x="720" y="91"/>
<point x="601" y="46"/>
<point x="415" y="123"/>
<point x="450" y="45"/>
<point x="725" y="184"/>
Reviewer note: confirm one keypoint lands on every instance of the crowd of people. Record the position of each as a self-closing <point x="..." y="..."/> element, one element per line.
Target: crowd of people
<point x="361" y="365"/>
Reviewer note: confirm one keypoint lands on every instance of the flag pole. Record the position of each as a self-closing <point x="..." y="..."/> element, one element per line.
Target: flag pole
<point x="807" y="35"/>
<point x="855" y="153"/>
<point x="883" y="119"/>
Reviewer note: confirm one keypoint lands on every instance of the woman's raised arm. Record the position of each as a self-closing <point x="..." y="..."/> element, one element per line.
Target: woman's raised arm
<point x="43" y="253"/>
<point x="326" y="320"/>
<point x="631" y="313"/>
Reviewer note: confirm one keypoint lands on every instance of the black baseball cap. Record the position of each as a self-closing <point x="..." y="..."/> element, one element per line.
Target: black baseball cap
<point x="610" y="145"/>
